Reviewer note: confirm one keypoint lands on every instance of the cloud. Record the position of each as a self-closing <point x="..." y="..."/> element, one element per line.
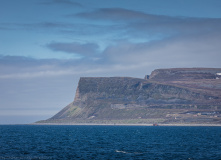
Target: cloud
<point x="65" y="2"/>
<point x="188" y="51"/>
<point x="127" y="24"/>
<point x="36" y="74"/>
<point x="83" y="32"/>
<point x="118" y="14"/>
<point x="86" y="49"/>
<point x="140" y="23"/>
<point x="27" y="68"/>
<point x="144" y="40"/>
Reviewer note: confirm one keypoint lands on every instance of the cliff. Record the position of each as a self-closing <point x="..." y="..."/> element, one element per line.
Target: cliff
<point x="185" y="74"/>
<point x="166" y="96"/>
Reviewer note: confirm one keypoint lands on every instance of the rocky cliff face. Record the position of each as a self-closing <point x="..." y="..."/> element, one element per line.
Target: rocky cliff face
<point x="166" y="95"/>
<point x="185" y="74"/>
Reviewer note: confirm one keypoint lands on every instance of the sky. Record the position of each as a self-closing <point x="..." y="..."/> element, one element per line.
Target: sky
<point x="47" y="45"/>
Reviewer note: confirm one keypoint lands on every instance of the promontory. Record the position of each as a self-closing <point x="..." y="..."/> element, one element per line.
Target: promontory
<point x="166" y="96"/>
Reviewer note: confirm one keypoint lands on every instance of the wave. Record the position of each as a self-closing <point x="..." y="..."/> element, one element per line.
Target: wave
<point x="118" y="151"/>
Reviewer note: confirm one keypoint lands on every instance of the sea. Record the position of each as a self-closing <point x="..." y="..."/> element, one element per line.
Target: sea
<point x="66" y="142"/>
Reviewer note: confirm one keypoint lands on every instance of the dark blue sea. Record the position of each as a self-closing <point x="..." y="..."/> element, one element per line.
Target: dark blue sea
<point x="109" y="142"/>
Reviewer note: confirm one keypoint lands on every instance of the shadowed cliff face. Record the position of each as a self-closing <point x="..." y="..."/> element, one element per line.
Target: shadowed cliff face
<point x="168" y="92"/>
<point x="136" y="91"/>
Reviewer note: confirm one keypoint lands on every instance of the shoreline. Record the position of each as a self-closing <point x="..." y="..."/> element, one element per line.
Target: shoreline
<point x="119" y="124"/>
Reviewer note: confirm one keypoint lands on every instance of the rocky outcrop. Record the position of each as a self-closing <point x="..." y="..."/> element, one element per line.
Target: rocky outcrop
<point x="161" y="98"/>
<point x="185" y="74"/>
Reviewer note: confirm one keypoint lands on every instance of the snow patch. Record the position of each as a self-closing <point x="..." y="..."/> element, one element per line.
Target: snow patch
<point x="219" y="74"/>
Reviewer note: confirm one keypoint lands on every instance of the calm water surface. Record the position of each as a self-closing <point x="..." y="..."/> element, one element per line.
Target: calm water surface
<point x="109" y="142"/>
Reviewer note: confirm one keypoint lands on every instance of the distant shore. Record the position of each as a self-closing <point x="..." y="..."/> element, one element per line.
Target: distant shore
<point x="119" y="124"/>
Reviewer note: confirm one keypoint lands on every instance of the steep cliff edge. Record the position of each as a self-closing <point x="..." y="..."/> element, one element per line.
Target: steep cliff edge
<point x="185" y="74"/>
<point x="168" y="96"/>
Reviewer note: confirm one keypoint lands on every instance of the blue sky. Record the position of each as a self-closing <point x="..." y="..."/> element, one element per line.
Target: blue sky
<point x="47" y="45"/>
